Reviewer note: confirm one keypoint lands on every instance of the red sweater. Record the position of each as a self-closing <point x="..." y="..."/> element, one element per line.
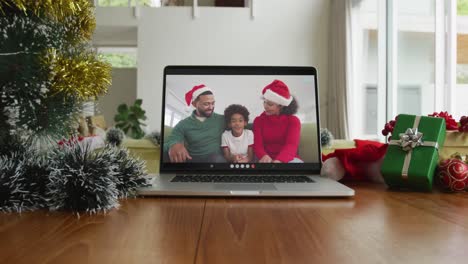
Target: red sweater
<point x="276" y="136"/>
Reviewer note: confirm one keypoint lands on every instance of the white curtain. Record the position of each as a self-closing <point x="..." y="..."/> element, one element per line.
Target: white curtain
<point x="339" y="68"/>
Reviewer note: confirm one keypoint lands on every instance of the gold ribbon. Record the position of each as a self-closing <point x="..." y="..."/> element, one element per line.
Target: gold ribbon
<point x="460" y="156"/>
<point x="410" y="140"/>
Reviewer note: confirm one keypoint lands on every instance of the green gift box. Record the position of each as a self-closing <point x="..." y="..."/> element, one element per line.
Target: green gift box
<point x="412" y="154"/>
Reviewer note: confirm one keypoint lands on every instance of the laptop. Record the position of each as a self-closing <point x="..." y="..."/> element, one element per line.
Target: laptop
<point x="211" y="146"/>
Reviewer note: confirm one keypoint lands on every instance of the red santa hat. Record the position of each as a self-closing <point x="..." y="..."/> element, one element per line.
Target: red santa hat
<point x="191" y="95"/>
<point x="277" y="92"/>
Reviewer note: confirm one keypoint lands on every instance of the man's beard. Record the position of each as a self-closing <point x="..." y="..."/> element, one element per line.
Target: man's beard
<point x="205" y="114"/>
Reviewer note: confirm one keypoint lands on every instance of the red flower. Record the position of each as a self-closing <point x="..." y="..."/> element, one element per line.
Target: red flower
<point x="450" y="123"/>
<point x="463" y="124"/>
<point x="73" y="140"/>
<point x="388" y="128"/>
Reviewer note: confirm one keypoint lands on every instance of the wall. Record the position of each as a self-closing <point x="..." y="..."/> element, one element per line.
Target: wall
<point x="122" y="90"/>
<point x="244" y="90"/>
<point x="288" y="33"/>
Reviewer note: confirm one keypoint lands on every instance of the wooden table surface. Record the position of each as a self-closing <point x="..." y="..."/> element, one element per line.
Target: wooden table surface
<point x="376" y="226"/>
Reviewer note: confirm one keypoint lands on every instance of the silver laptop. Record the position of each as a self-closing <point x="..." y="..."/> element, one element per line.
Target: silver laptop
<point x="241" y="131"/>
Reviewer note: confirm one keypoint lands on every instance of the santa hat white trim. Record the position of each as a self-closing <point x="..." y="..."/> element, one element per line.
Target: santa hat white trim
<point x="200" y="91"/>
<point x="276" y="98"/>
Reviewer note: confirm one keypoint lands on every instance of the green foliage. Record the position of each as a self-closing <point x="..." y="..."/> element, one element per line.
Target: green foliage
<point x="462" y="7"/>
<point x="128" y="119"/>
<point x="120" y="60"/>
<point x="463" y="79"/>
<point x="462" y="73"/>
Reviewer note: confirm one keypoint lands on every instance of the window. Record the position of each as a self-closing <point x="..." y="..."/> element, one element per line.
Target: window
<point x="407" y="57"/>
<point x="461" y="90"/>
<point x="176" y="109"/>
<point x="370" y="111"/>
<point x="119" y="57"/>
<point x="172" y="117"/>
<point x="367" y="67"/>
<point x="415" y="57"/>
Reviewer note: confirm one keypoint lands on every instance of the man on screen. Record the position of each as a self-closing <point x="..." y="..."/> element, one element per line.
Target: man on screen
<point x="197" y="138"/>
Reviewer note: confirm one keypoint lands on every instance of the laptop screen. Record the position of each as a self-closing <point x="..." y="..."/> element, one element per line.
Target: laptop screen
<point x="234" y="118"/>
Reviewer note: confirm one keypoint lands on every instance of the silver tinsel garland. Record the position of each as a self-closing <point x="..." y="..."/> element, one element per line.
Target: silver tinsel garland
<point x="81" y="180"/>
<point x="326" y="137"/>
<point x="129" y="171"/>
<point x="114" y="136"/>
<point x="22" y="182"/>
<point x="155" y="137"/>
<point x="71" y="177"/>
<point x="12" y="184"/>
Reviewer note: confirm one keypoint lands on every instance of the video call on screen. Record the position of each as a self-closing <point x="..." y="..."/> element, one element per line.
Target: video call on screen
<point x="246" y="91"/>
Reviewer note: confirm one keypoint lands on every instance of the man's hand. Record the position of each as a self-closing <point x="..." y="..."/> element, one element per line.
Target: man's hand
<point x="242" y="159"/>
<point x="266" y="159"/>
<point x="235" y="158"/>
<point x="178" y="153"/>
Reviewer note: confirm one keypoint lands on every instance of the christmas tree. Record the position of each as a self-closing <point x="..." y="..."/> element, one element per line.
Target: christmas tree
<point x="47" y="68"/>
<point x="47" y="71"/>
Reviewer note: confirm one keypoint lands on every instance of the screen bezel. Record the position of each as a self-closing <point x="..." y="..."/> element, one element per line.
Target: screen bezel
<point x="260" y="168"/>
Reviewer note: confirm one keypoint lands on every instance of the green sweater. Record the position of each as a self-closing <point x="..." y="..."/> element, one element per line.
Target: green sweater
<point x="200" y="138"/>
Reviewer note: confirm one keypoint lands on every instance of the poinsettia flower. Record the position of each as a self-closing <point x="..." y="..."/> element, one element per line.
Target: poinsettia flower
<point x="463" y="124"/>
<point x="72" y="140"/>
<point x="450" y="123"/>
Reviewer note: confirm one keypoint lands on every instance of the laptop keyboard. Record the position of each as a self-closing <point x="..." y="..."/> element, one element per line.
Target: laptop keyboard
<point x="242" y="179"/>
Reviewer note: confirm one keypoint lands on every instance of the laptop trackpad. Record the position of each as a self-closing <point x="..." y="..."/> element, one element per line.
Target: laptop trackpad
<point x="245" y="187"/>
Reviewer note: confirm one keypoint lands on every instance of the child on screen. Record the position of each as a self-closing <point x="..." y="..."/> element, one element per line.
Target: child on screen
<point x="237" y="141"/>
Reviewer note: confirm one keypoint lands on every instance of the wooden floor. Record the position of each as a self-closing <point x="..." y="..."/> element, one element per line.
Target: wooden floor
<point x="376" y="226"/>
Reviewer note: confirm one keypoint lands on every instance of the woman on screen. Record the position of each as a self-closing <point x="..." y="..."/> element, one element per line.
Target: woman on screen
<point x="277" y="130"/>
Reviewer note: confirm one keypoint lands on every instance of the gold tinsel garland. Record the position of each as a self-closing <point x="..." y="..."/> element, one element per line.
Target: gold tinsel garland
<point x="77" y="13"/>
<point x="81" y="75"/>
